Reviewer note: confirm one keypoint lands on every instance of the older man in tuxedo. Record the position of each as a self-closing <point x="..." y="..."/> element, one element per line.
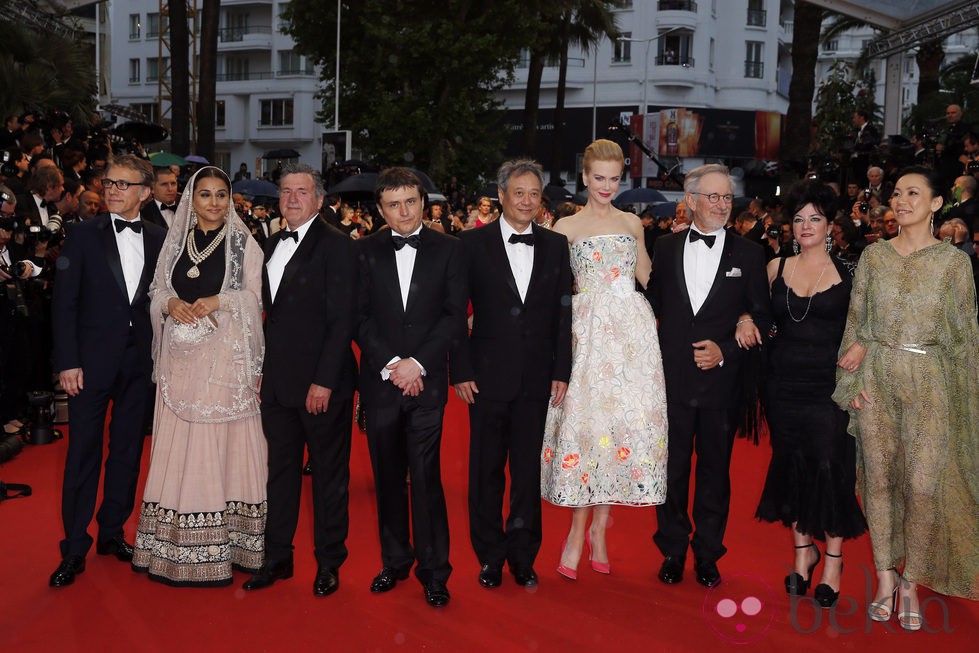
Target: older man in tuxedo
<point x="703" y="279"/>
<point x="309" y="292"/>
<point x="102" y="339"/>
<point x="517" y="359"/>
<point x="412" y="310"/>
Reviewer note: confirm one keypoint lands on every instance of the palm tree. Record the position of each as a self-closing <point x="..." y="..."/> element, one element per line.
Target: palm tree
<point x="180" y="123"/>
<point x="798" y="117"/>
<point x="207" y="78"/>
<point x="561" y="24"/>
<point x="584" y="23"/>
<point x="45" y="72"/>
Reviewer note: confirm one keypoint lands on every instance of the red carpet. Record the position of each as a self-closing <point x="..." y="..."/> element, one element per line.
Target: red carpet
<point x="109" y="608"/>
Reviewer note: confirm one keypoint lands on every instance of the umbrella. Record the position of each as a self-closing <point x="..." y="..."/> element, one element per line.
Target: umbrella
<point x="580" y="198"/>
<point x="144" y="132"/>
<point x="365" y="182"/>
<point x="640" y="196"/>
<point x="255" y="188"/>
<point x="196" y="158"/>
<point x="166" y="159"/>
<point x="557" y="193"/>
<point x="287" y="153"/>
<point x="664" y="210"/>
<point x="492" y="191"/>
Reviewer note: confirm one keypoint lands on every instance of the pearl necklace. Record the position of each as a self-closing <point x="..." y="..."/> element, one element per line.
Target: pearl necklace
<point x="196" y="257"/>
<point x="812" y="294"/>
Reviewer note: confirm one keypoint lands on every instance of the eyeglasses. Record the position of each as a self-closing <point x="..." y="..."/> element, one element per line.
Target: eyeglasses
<point x="714" y="198"/>
<point x="121" y="184"/>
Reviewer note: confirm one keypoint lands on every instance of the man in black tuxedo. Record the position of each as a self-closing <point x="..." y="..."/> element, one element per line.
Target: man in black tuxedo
<point x="46" y="186"/>
<point x="163" y="205"/>
<point x="331" y="210"/>
<point x="309" y="295"/>
<point x="517" y="358"/>
<point x="703" y="279"/>
<point x="102" y="339"/>
<point x="412" y="311"/>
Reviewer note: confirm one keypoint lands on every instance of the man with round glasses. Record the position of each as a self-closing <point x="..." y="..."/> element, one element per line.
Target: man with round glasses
<point x="704" y="278"/>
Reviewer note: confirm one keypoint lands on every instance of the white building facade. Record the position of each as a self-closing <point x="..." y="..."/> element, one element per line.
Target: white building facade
<point x="265" y="91"/>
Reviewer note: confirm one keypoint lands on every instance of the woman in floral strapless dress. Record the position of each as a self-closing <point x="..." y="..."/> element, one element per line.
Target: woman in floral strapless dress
<point x="606" y="443"/>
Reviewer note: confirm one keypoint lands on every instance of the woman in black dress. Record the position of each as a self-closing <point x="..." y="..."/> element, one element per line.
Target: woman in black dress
<point x="811" y="480"/>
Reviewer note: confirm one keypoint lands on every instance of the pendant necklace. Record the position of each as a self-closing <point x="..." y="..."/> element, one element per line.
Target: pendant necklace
<point x="811" y="291"/>
<point x="196" y="257"/>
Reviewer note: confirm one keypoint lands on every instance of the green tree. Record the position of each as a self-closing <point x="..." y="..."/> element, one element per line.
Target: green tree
<point x="417" y="79"/>
<point x="44" y="72"/>
<point x="583" y="24"/>
<point x="836" y="101"/>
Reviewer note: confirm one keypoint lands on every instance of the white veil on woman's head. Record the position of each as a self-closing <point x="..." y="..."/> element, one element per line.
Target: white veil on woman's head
<point x="241" y="330"/>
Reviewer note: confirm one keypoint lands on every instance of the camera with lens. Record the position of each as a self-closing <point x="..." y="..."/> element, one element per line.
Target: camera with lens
<point x="773" y="231"/>
<point x="865" y="200"/>
<point x="7" y="168"/>
<point x="15" y="269"/>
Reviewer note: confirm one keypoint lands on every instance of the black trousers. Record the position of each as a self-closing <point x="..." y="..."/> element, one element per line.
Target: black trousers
<point x="83" y="464"/>
<point x="404" y="437"/>
<point x="711" y="433"/>
<point x="288" y="432"/>
<point x="502" y="431"/>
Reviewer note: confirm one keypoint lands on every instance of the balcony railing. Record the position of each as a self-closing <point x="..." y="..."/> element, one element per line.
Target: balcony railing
<point x="757" y="17"/>
<point x="232" y="34"/>
<point x="755" y="69"/>
<point x="242" y="77"/>
<point x="677" y="5"/>
<point x="294" y="73"/>
<point x="674" y="60"/>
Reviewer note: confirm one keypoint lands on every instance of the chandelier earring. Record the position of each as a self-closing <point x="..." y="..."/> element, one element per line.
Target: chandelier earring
<point x="795" y="246"/>
<point x="829" y="243"/>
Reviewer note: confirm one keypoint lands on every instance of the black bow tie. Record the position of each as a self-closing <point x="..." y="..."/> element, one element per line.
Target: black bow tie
<point x="50" y="206"/>
<point x="135" y="225"/>
<point x="526" y="239"/>
<point x="696" y="235"/>
<point x="168" y="207"/>
<point x="283" y="234"/>
<point x="400" y="241"/>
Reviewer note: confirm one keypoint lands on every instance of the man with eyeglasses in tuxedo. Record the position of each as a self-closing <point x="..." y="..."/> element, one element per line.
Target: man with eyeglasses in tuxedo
<point x="102" y="338"/>
<point x="704" y="278"/>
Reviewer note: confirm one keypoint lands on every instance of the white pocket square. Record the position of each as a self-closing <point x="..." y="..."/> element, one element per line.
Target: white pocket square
<point x="733" y="272"/>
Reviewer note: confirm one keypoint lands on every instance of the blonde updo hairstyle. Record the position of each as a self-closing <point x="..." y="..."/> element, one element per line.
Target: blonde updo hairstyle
<point x="602" y="150"/>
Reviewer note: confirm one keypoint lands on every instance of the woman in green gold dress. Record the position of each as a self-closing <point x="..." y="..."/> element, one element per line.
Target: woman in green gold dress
<point x="909" y="376"/>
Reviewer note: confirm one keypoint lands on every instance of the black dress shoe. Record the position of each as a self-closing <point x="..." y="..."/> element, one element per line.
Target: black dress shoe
<point x="268" y="574"/>
<point x="707" y="573"/>
<point x="491" y="576"/>
<point x="525" y="576"/>
<point x="117" y="547"/>
<point x="327" y="581"/>
<point x="436" y="594"/>
<point x="65" y="573"/>
<point x="671" y="571"/>
<point x="387" y="579"/>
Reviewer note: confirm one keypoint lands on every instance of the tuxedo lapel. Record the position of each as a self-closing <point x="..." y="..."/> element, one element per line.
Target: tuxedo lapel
<point x="420" y="270"/>
<point x="681" y="276"/>
<point x="719" y="276"/>
<point x="497" y="253"/>
<point x="387" y="269"/>
<point x="150" y="244"/>
<point x="541" y="251"/>
<point x="112" y="254"/>
<point x="299" y="256"/>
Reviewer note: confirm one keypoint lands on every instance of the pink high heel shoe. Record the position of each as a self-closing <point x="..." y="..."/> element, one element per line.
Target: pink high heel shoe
<point x="571" y="573"/>
<point x="600" y="567"/>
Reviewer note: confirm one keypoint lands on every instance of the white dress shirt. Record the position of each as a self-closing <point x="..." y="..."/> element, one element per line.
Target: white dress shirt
<point x="521" y="257"/>
<point x="282" y="255"/>
<point x="700" y="264"/>
<point x="405" y="260"/>
<point x="130" y="246"/>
